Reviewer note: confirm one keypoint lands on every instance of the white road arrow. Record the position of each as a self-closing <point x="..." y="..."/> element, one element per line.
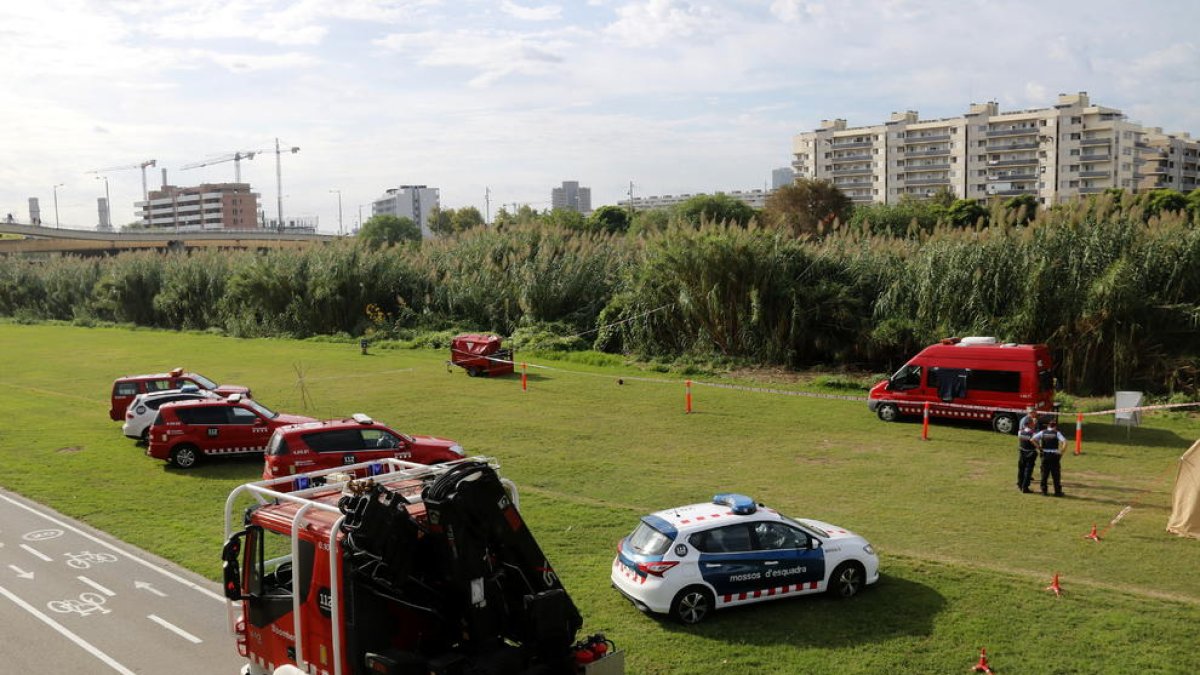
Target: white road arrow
<point x="143" y="586"/>
<point x="20" y="572"/>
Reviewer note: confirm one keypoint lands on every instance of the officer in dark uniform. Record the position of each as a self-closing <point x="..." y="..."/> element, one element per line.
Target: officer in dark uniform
<point x="1026" y="457"/>
<point x="1051" y="442"/>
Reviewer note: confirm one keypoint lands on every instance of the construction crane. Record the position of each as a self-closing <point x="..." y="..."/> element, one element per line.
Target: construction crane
<point x="236" y="158"/>
<point x="139" y="165"/>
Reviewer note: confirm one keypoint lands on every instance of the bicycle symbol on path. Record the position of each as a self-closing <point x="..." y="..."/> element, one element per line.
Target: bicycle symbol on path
<point x="88" y="603"/>
<point x="85" y="559"/>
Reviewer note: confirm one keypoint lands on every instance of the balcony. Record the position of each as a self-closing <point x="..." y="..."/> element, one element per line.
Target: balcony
<point x="850" y="144"/>
<point x="1154" y="170"/>
<point x="1021" y="131"/>
<point x="927" y="153"/>
<point x="1031" y="161"/>
<point x="856" y="157"/>
<point x="1091" y="190"/>
<point x="1024" y="145"/>
<point x="1095" y="174"/>
<point x="1024" y="175"/>
<point x="850" y="171"/>
<point x="860" y="198"/>
<point x="943" y="180"/>
<point x="932" y="138"/>
<point x="1095" y="141"/>
<point x="1095" y="158"/>
<point x="1013" y="192"/>
<point x="910" y="168"/>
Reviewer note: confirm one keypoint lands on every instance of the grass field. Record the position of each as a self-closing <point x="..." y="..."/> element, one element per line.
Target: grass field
<point x="965" y="558"/>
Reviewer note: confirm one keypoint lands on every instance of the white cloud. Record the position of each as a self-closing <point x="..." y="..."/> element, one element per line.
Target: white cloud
<point x="543" y="13"/>
<point x="651" y="22"/>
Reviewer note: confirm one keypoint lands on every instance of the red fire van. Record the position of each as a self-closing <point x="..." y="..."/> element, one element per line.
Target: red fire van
<point x="126" y="387"/>
<point x="969" y="378"/>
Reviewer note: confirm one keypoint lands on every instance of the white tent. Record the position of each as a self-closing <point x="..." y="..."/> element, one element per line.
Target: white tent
<point x="1185" y="516"/>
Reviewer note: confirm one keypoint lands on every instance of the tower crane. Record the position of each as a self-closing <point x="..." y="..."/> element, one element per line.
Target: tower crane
<point x="236" y="158"/>
<point x="139" y="165"/>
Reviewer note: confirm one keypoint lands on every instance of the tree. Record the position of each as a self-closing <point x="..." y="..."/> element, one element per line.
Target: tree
<point x="388" y="230"/>
<point x="1158" y="201"/>
<point x="466" y="218"/>
<point x="567" y="218"/>
<point x="1025" y="205"/>
<point x="718" y="208"/>
<point x="440" y="222"/>
<point x="611" y="219"/>
<point x="942" y="197"/>
<point x="1193" y="200"/>
<point x="807" y="206"/>
<point x="965" y="212"/>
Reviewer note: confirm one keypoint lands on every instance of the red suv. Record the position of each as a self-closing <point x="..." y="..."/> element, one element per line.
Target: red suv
<point x="185" y="431"/>
<point x="125" y="388"/>
<point x="325" y="445"/>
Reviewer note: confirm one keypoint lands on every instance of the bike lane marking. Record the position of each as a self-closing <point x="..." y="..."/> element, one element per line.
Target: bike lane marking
<point x="67" y="633"/>
<point x="96" y="586"/>
<point x="146" y="563"/>
<point x="174" y="629"/>
<point x="33" y="551"/>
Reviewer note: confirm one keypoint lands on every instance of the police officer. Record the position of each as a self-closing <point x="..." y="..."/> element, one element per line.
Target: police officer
<point x="1051" y="442"/>
<point x="1031" y="417"/>
<point x="1026" y="456"/>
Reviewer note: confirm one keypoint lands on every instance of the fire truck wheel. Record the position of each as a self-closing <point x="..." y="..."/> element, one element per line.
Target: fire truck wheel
<point x="1004" y="423"/>
<point x="692" y="605"/>
<point x="185" y="456"/>
<point x="888" y="412"/>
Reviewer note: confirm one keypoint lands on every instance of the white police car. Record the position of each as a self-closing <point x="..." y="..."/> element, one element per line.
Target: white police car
<point x="142" y="410"/>
<point x="691" y="560"/>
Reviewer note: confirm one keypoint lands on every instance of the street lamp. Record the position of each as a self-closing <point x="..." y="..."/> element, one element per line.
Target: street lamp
<point x="360" y="220"/>
<point x="339" y="194"/>
<point x="56" y="203"/>
<point x="107" y="203"/>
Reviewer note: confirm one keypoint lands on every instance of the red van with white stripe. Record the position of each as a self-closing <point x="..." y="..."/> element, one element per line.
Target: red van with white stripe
<point x="975" y="378"/>
<point x="187" y="431"/>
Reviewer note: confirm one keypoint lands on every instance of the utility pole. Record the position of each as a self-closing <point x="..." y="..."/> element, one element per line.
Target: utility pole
<point x="339" y="194"/>
<point x="631" y="202"/>
<point x="487" y="202"/>
<point x="56" y="203"/>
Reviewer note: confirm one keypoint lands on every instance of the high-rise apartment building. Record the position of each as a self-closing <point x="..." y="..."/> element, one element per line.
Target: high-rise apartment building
<point x="571" y="197"/>
<point x="1073" y="148"/>
<point x="782" y="176"/>
<point x="417" y="202"/>
<point x="208" y="206"/>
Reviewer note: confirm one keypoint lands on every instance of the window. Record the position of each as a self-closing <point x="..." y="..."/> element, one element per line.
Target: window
<point x="337" y="440"/>
<point x="649" y="541"/>
<point x="378" y="439"/>
<point x="908" y="377"/>
<point x="728" y="539"/>
<point x="777" y="536"/>
<point x="203" y="415"/>
<point x="125" y="389"/>
<point x="994" y="380"/>
<point x="241" y="416"/>
<point x="277" y="445"/>
<point x="159" y="385"/>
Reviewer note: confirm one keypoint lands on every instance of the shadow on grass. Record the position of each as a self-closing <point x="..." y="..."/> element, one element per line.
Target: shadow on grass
<point x="245" y="469"/>
<point x="1141" y="436"/>
<point x="892" y="608"/>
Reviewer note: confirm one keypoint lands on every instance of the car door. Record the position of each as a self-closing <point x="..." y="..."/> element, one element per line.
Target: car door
<point x="376" y="444"/>
<point x="336" y="447"/>
<point x="246" y="431"/>
<point x="728" y="561"/>
<point x="791" y="557"/>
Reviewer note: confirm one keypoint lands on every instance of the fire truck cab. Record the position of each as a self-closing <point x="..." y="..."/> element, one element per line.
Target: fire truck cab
<point x="417" y="569"/>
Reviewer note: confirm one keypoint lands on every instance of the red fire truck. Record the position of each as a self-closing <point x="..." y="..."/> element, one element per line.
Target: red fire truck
<point x="417" y="569"/>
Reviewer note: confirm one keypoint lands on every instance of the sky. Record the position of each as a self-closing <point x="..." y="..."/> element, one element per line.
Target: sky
<point x="513" y="97"/>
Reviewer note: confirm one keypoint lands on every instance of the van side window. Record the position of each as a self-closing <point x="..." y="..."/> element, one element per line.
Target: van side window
<point x="125" y="389"/>
<point x="908" y="377"/>
<point x="1045" y="381"/>
<point x="159" y="385"/>
<point x="995" y="380"/>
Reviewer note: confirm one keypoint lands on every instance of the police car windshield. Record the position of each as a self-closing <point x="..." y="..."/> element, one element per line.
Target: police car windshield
<point x="807" y="526"/>
<point x="261" y="409"/>
<point x="202" y="381"/>
<point x="648" y="541"/>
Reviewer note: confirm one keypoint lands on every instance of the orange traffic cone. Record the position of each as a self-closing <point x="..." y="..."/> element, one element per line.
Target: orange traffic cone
<point x="1093" y="535"/>
<point x="1058" y="591"/>
<point x="983" y="666"/>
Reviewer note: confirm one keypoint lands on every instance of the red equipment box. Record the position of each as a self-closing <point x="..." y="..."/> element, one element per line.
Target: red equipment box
<point x="480" y="355"/>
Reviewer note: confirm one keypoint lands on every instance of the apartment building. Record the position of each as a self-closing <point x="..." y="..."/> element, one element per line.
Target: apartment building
<point x="208" y="206"/>
<point x="1057" y="153"/>
<point x="572" y="197"/>
<point x="753" y="198"/>
<point x="417" y="202"/>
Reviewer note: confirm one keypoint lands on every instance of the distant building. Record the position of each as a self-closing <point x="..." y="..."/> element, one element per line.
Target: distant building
<point x="417" y="202"/>
<point x="1054" y="154"/>
<point x="208" y="206"/>
<point x="571" y="197"/>
<point x="753" y="198"/>
<point x="782" y="177"/>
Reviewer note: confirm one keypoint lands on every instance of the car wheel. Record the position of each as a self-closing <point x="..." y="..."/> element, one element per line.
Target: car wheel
<point x="472" y="371"/>
<point x="692" y="605"/>
<point x="1004" y="423"/>
<point x="847" y="580"/>
<point x="145" y="438"/>
<point x="185" y="456"/>
<point x="888" y="412"/>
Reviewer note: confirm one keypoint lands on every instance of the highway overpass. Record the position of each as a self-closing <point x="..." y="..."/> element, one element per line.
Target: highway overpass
<point x="40" y="239"/>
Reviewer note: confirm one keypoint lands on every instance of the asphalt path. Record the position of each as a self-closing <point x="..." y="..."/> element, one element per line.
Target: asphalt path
<point x="75" y="600"/>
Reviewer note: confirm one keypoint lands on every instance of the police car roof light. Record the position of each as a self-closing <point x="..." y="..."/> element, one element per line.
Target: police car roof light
<point x="741" y="505"/>
<point x="361" y="418"/>
<point x="189" y="389"/>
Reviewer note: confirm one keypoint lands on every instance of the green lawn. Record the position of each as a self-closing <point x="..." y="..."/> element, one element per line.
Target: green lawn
<point x="964" y="556"/>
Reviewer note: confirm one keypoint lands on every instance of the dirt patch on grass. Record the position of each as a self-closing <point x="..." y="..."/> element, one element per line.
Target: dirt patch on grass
<point x="70" y="449"/>
<point x="977" y="469"/>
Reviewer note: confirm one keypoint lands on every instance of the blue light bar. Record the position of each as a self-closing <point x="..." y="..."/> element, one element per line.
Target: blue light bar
<point x="741" y="505"/>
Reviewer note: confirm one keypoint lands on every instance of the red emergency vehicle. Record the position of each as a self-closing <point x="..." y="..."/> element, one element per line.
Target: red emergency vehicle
<point x="186" y="431"/>
<point x="125" y="388"/>
<point x="974" y="378"/>
<point x="419" y="569"/>
<point x="299" y="448"/>
<point x="480" y="355"/>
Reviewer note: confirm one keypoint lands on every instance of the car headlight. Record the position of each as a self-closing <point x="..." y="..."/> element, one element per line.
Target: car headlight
<point x="458" y="450"/>
<point x="869" y="549"/>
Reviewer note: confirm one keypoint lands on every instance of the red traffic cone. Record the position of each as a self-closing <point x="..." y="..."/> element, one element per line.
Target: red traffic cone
<point x="1093" y="535"/>
<point x="1058" y="591"/>
<point x="983" y="666"/>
